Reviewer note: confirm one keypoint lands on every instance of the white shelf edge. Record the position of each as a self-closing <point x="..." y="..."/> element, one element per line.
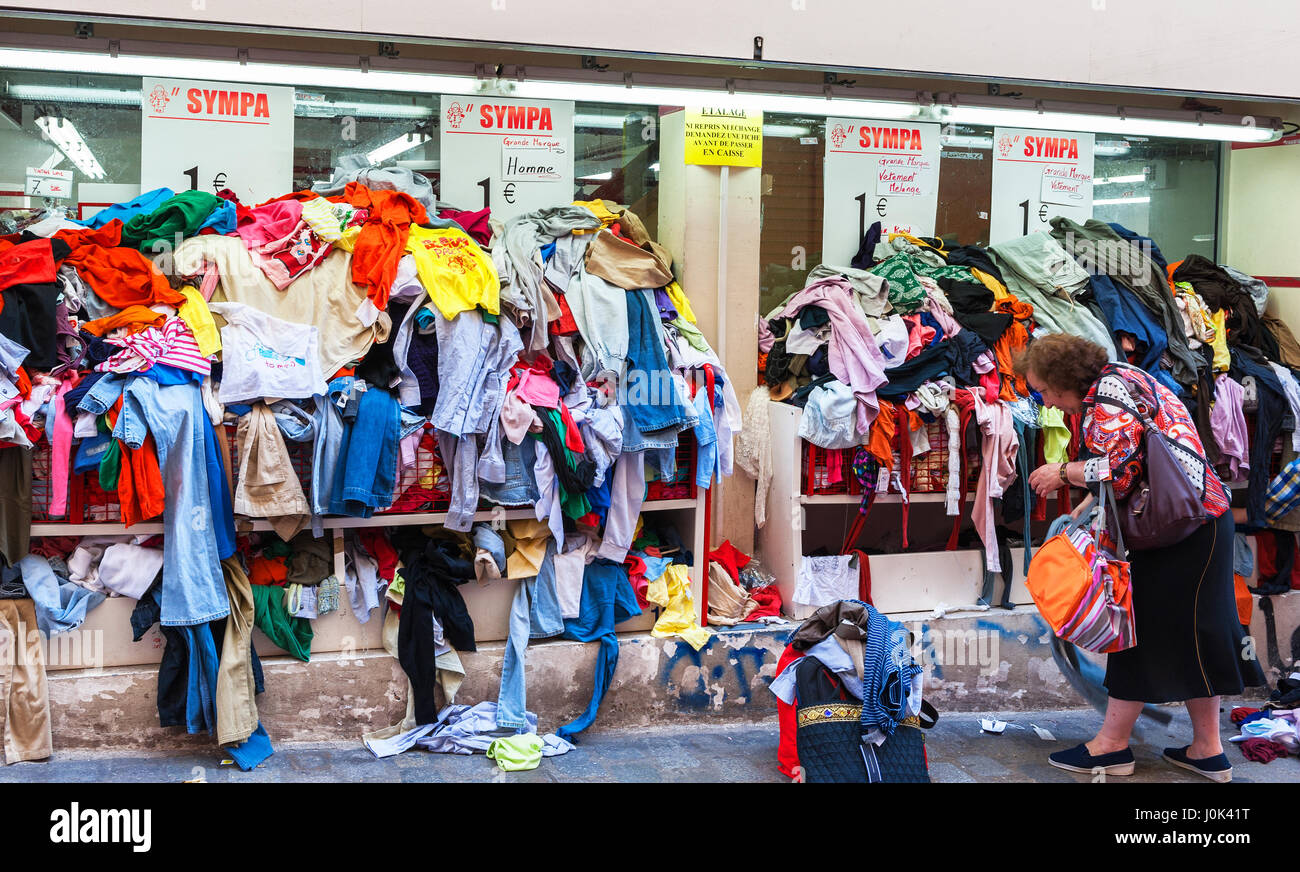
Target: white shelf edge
<point x="419" y="519"/>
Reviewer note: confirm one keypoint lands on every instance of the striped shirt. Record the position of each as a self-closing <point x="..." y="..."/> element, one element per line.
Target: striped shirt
<point x="172" y="344"/>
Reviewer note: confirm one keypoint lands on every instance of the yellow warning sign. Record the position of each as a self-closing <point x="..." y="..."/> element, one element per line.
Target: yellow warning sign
<point x="724" y="137"/>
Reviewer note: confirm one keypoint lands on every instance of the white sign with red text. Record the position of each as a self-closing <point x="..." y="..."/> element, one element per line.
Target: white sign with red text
<point x="1037" y="175"/>
<point x="514" y="156"/>
<point x="208" y="136"/>
<point x="886" y="171"/>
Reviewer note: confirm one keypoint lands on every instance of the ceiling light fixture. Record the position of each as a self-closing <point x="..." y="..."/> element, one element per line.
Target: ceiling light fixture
<point x="65" y="137"/>
<point x="400" y="145"/>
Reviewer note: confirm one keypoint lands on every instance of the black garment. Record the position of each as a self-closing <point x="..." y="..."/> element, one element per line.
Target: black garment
<point x="778" y="364"/>
<point x="29" y="319"/>
<point x="433" y="569"/>
<point x="1189" y="642"/>
<point x="954" y="356"/>
<point x="1222" y="291"/>
<point x="972" y="308"/>
<point x="174" y="669"/>
<point x="819" y="362"/>
<point x="97" y="350"/>
<point x="72" y="399"/>
<point x="574" y="480"/>
<point x="1199" y="402"/>
<point x="1284" y="561"/>
<point x="813" y="316"/>
<point x="15" y="503"/>
<point x="378" y="367"/>
<point x="1273" y="407"/>
<point x="974" y="256"/>
<point x="828" y="728"/>
<point x="866" y="256"/>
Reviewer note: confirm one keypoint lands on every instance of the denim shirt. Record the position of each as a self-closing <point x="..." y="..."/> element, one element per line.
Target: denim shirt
<point x="474" y="363"/>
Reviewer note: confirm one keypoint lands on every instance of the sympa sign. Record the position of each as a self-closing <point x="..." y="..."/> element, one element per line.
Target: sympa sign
<point x="208" y="136"/>
<point x="877" y="171"/>
<point x="1037" y="175"/>
<point x="514" y="156"/>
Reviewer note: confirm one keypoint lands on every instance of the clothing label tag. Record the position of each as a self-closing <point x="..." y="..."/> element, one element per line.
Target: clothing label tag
<point x="882" y="481"/>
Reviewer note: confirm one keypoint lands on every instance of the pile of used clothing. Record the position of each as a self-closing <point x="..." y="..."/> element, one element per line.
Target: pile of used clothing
<point x="1273" y="729"/>
<point x="370" y="350"/>
<point x="913" y="339"/>
<point x="850" y="700"/>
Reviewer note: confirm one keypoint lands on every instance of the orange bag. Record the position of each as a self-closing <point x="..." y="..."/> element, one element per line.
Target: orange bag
<point x="1082" y="590"/>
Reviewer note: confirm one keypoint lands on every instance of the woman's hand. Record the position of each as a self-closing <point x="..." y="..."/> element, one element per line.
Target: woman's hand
<point x="1046" y="480"/>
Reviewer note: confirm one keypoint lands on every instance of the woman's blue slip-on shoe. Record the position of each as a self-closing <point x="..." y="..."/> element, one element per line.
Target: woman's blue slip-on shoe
<point x="1216" y="768"/>
<point x="1077" y="759"/>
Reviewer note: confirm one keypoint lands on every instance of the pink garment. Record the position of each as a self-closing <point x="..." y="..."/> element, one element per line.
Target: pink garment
<point x="919" y="336"/>
<point x="765" y="338"/>
<point x="174" y="345"/>
<point x="1228" y="423"/>
<point x="211" y="275"/>
<point x="283" y="260"/>
<point x="61" y="451"/>
<point x="986" y="365"/>
<point x="533" y="384"/>
<point x="269" y="222"/>
<point x="998" y="469"/>
<point x="854" y="356"/>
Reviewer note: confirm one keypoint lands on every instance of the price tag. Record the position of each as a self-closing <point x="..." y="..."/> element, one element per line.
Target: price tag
<point x="1037" y="175"/>
<point x="206" y="136"/>
<point x="886" y="171"/>
<point x="514" y="156"/>
<point x="48" y="183"/>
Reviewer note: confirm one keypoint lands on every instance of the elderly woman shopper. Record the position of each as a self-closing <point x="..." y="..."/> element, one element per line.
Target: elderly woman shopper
<point x="1190" y="643"/>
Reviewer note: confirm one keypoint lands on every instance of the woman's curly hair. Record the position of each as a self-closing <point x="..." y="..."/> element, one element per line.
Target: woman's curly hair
<point x="1064" y="362"/>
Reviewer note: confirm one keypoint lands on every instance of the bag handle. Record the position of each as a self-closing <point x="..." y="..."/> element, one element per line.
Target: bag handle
<point x="1108" y="496"/>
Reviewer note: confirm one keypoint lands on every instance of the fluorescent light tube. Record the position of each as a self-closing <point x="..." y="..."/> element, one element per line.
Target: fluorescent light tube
<point x="64" y="135"/>
<point x="1120" y="180"/>
<point x="1121" y="201"/>
<point x="393" y="148"/>
<point x="1101" y="123"/>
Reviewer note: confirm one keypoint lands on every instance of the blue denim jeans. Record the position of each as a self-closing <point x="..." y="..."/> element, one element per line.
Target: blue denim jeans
<point x="193" y="588"/>
<point x="534" y="613"/>
<point x="520" y="486"/>
<point x="651" y="398"/>
<point x="367" y="470"/>
<point x="706" y="440"/>
<point x="328" y="422"/>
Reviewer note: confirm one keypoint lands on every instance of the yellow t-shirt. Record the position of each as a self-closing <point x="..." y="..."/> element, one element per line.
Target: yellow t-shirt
<point x="454" y="270"/>
<point x="1222" y="359"/>
<point x="195" y="312"/>
<point x="597" y="206"/>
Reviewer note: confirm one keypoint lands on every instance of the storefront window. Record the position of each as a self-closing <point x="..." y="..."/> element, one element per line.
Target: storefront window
<point x="1163" y="188"/>
<point x="97" y="119"/>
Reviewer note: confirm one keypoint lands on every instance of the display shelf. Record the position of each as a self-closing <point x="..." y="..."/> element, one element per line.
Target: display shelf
<point x="885" y="499"/>
<point x="489" y="604"/>
<point x="913" y="582"/>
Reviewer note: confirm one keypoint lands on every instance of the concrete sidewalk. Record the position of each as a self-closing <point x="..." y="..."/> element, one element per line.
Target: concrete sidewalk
<point x="738" y="752"/>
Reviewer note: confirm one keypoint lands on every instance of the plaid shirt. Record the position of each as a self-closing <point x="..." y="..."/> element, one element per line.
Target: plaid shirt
<point x="1283" y="495"/>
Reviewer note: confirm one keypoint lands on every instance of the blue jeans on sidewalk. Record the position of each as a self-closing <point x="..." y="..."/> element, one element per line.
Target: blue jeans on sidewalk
<point x="534" y="613"/>
<point x="193" y="588"/>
